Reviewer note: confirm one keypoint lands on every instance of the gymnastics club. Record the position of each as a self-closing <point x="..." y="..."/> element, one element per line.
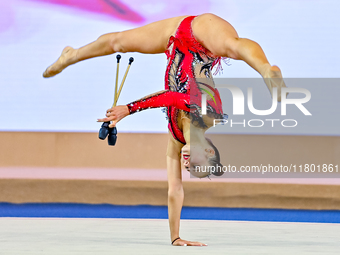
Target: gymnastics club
<point x="105" y="130"/>
<point x="112" y="139"/>
<point x="121" y="85"/>
<point x="117" y="72"/>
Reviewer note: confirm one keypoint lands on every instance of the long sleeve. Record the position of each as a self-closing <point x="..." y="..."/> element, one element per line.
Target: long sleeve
<point x="163" y="98"/>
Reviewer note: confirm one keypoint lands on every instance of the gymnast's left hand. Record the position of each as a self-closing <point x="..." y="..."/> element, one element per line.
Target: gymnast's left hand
<point x="115" y="114"/>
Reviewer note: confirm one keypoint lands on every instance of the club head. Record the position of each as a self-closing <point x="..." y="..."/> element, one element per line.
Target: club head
<point x="112" y="139"/>
<point x="113" y="131"/>
<point x="104" y="130"/>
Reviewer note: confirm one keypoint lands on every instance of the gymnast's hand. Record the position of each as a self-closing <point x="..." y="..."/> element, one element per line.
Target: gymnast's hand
<point x="181" y="242"/>
<point x="115" y="114"/>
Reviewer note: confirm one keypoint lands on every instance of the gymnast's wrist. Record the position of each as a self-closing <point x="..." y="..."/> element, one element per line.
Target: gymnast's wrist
<point x="131" y="107"/>
<point x="174" y="240"/>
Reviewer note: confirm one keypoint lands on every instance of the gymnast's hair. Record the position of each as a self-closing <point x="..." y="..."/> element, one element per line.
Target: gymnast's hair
<point x="215" y="160"/>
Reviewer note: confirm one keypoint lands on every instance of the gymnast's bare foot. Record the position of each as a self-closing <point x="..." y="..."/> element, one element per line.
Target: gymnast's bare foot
<point x="67" y="57"/>
<point x="273" y="79"/>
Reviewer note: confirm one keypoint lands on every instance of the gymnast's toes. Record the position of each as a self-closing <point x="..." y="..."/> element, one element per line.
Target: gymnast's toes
<point x="63" y="61"/>
<point x="273" y="79"/>
<point x="49" y="73"/>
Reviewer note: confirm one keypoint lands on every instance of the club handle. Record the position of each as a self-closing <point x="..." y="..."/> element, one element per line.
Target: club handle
<point x="121" y="85"/>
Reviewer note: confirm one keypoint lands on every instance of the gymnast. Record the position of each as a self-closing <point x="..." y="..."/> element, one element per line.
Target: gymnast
<point x="194" y="45"/>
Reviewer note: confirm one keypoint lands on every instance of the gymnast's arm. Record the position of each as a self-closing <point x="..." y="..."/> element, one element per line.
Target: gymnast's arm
<point x="175" y="192"/>
<point x="162" y="98"/>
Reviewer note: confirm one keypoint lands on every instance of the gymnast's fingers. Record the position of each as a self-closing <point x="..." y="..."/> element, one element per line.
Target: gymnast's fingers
<point x="110" y="114"/>
<point x="110" y="110"/>
<point x="113" y="124"/>
<point x="105" y="119"/>
<point x="196" y="244"/>
<point x="182" y="242"/>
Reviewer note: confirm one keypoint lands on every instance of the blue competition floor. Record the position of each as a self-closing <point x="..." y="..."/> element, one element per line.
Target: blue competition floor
<point x="70" y="210"/>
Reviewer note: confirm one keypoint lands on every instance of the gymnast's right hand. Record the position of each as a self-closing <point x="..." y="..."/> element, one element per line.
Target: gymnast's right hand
<point x="115" y="114"/>
<point x="181" y="242"/>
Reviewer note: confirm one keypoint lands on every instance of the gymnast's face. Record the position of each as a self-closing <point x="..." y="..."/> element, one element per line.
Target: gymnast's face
<point x="195" y="157"/>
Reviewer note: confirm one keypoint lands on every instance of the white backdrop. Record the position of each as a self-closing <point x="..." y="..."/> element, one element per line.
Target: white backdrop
<point x="300" y="36"/>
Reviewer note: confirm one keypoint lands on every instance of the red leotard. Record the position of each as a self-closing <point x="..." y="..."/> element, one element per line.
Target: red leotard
<point x="188" y="73"/>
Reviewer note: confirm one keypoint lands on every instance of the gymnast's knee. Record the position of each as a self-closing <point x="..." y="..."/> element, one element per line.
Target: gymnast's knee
<point x="230" y="48"/>
<point x="113" y="41"/>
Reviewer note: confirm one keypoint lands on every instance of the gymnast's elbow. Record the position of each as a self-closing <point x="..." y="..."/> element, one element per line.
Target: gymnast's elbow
<point x="175" y="192"/>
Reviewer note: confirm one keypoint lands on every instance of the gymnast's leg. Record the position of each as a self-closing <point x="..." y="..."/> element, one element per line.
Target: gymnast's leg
<point x="220" y="38"/>
<point x="152" y="39"/>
